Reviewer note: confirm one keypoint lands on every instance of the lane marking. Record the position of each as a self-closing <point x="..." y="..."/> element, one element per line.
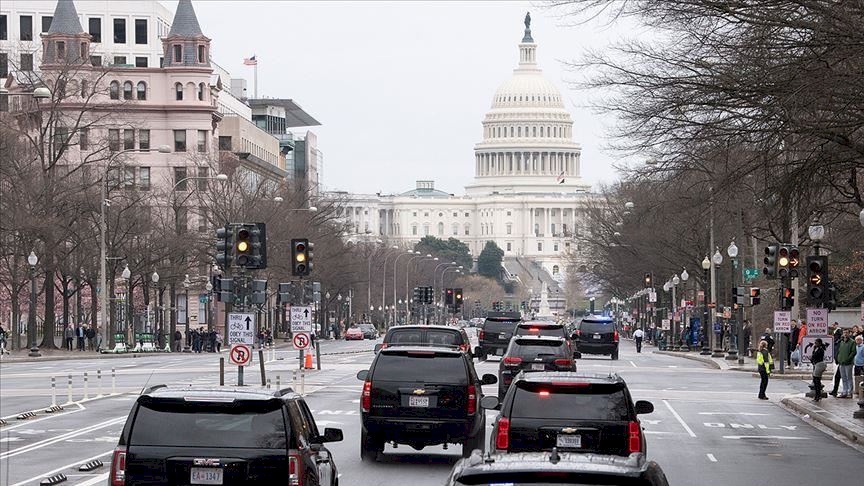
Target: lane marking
<point x="746" y="414"/>
<point x="680" y="420"/>
<point x="53" y="440"/>
<point x="634" y="364"/>
<point x="711" y="457"/>
<point x="42" y="476"/>
<point x="779" y="437"/>
<point x="98" y="479"/>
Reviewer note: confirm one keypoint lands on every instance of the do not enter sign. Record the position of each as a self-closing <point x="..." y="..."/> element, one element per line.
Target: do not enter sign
<point x="240" y="355"/>
<point x="301" y="340"/>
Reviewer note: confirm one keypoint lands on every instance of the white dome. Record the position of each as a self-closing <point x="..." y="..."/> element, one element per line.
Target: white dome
<point x="527" y="89"/>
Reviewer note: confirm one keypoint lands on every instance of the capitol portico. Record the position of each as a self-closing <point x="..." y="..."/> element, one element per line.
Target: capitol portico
<point x="527" y="195"/>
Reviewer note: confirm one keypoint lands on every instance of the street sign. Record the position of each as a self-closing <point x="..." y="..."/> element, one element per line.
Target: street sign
<point x="301" y="319"/>
<point x="301" y="340"/>
<point x="807" y="348"/>
<point x="241" y="328"/>
<point x="240" y="355"/>
<point x="782" y="321"/>
<point x="665" y="325"/>
<point x="751" y="273"/>
<point x="817" y="322"/>
<point x="652" y="297"/>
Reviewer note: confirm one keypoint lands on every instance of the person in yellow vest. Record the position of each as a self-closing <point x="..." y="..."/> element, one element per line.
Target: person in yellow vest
<point x="764" y="363"/>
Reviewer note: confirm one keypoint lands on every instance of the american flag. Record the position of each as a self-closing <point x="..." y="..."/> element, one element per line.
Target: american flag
<point x="250" y="61"/>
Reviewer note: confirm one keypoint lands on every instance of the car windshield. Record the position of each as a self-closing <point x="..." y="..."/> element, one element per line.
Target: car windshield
<point x="200" y="424"/>
<point x="421" y="367"/>
<point x="367" y="327"/>
<point x="499" y="325"/>
<point x="572" y="401"/>
<point x="540" y="330"/>
<point x="445" y="338"/>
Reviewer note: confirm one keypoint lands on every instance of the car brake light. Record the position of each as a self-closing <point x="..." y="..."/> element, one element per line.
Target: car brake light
<point x="384" y="345"/>
<point x="294" y="470"/>
<point x="564" y="362"/>
<point x="481" y="334"/>
<point x="634" y="442"/>
<point x="512" y="361"/>
<point x="463" y="347"/>
<point x="615" y="336"/>
<point x="502" y="438"/>
<point x="472" y="399"/>
<point x="366" y="397"/>
<point x="578" y="332"/>
<point x="534" y="329"/>
<point x="544" y="393"/>
<point x="118" y="467"/>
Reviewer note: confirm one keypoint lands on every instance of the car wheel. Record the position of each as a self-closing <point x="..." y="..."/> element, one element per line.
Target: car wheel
<point x="615" y="355"/>
<point x="369" y="447"/>
<point x="472" y="443"/>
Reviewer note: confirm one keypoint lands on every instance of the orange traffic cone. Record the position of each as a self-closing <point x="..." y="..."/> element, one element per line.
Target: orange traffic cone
<point x="308" y="361"/>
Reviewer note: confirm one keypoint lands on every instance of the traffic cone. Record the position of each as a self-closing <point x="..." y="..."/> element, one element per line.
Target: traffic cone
<point x="308" y="361"/>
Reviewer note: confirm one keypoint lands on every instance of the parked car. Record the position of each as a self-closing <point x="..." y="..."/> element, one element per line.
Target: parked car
<point x="426" y="336"/>
<point x="421" y="396"/>
<point x="596" y="335"/>
<point x="222" y="436"/>
<point x="568" y="412"/>
<point x="369" y="331"/>
<point x="353" y="333"/>
<point x="533" y="353"/>
<point x="495" y="333"/>
<point x="554" y="468"/>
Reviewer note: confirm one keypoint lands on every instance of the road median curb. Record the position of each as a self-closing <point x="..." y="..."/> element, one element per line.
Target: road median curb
<point x="844" y="427"/>
<point x="708" y="361"/>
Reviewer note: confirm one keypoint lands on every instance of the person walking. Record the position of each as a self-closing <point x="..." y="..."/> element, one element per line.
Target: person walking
<point x="858" y="362"/>
<point x="836" y="334"/>
<point x="764" y="362"/>
<point x="69" y="334"/>
<point x="91" y="338"/>
<point x="3" y="349"/>
<point x="818" y="361"/>
<point x="845" y="359"/>
<point x="218" y="342"/>
<point x="178" y="340"/>
<point x="795" y="332"/>
<point x="638" y="335"/>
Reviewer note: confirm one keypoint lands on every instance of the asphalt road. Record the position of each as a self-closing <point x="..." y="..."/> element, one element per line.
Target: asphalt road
<point x="708" y="426"/>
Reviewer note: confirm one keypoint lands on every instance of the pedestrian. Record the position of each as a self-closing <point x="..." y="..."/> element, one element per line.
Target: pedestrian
<point x="802" y="334"/>
<point x="196" y="341"/>
<point x="795" y="332"/>
<point x="845" y="359"/>
<point x="91" y="338"/>
<point x="764" y="362"/>
<point x="3" y="349"/>
<point x="80" y="333"/>
<point x="768" y="338"/>
<point x="98" y="340"/>
<point x="818" y="361"/>
<point x="218" y="342"/>
<point x="748" y="335"/>
<point x="69" y="334"/>
<point x="178" y="340"/>
<point x="859" y="364"/>
<point x="638" y="335"/>
<point x="836" y="336"/>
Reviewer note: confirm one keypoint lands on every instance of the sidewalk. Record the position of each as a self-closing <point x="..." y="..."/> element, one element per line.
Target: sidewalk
<point x="834" y="413"/>
<point x="749" y="365"/>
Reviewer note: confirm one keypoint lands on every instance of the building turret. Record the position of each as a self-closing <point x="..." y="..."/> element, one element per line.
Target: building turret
<point x="65" y="43"/>
<point x="185" y="45"/>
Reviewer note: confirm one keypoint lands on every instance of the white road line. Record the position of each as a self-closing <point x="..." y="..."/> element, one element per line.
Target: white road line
<point x="96" y="480"/>
<point x="634" y="364"/>
<point x="746" y="414"/>
<point x="68" y="435"/>
<point x="67" y="466"/>
<point x="711" y="457"/>
<point x="779" y="437"/>
<point x="680" y="420"/>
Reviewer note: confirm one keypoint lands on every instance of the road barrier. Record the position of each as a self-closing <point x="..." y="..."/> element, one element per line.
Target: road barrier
<point x="53" y="392"/>
<point x="302" y="382"/>
<point x="268" y="383"/>
<point x="99" y="383"/>
<point x="89" y="466"/>
<point x="25" y="415"/>
<point x="54" y="408"/>
<point x="86" y="389"/>
<point x="278" y="383"/>
<point x="113" y="382"/>
<point x="69" y="389"/>
<point x="55" y="479"/>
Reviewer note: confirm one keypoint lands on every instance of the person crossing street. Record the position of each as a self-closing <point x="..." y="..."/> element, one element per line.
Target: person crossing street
<point x="638" y="335"/>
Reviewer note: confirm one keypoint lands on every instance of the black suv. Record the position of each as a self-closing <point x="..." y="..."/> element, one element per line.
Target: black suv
<point x="222" y="436"/>
<point x="570" y="412"/>
<point x="596" y="335"/>
<point x="421" y="396"/>
<point x="533" y="353"/>
<point x="426" y="336"/>
<point x="495" y="333"/>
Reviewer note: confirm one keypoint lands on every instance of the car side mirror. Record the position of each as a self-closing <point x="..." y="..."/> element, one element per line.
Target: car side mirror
<point x="577" y="355"/>
<point x="489" y="379"/>
<point x="362" y="375"/>
<point x="331" y="435"/>
<point x="490" y="403"/>
<point x="643" y="406"/>
<point x="378" y="347"/>
<point x="574" y="336"/>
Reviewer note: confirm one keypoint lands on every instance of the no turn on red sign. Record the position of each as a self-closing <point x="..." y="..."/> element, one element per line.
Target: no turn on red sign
<point x="240" y="355"/>
<point x="301" y="340"/>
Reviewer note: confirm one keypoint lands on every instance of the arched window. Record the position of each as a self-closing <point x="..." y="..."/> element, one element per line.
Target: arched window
<point x="127" y="90"/>
<point x="142" y="90"/>
<point x="555" y="270"/>
<point x="114" y="90"/>
<point x="414" y="229"/>
<point x="178" y="90"/>
<point x="467" y="229"/>
<point x="541" y="132"/>
<point x="511" y="131"/>
<point x="534" y="131"/>
<point x="519" y="131"/>
<point x="455" y="229"/>
<point x="202" y="55"/>
<point x="201" y="87"/>
<point x="440" y="229"/>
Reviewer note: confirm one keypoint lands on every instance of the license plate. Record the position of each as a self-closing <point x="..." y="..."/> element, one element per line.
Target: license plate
<point x="418" y="402"/>
<point x="596" y="336"/>
<point x="206" y="475"/>
<point x="569" y="441"/>
<point x="499" y="352"/>
<point x="504" y="335"/>
<point x="538" y="366"/>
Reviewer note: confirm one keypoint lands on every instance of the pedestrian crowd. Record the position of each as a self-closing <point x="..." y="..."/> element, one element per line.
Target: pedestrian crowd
<point x="83" y="337"/>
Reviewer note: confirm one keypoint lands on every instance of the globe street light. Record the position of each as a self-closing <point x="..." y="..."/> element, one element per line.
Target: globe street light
<point x="717" y="259"/>
<point x="706" y="347"/>
<point x="32" y="260"/>
<point x="861" y="217"/>
<point x="817" y="232"/>
<point x="127" y="276"/>
<point x="735" y="341"/>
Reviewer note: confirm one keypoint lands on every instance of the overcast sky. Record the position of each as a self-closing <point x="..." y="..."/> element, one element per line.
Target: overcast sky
<point x="401" y="88"/>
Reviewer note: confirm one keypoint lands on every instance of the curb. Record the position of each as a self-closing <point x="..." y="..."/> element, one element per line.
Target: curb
<point x="708" y="361"/>
<point x="828" y="419"/>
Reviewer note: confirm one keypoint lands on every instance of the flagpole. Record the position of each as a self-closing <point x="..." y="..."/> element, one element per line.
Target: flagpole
<point x="255" y="78"/>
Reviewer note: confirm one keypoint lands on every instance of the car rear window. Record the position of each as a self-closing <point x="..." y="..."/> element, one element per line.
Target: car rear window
<point x="556" y="330"/>
<point x="553" y="477"/>
<point x="223" y="425"/>
<point x="526" y="347"/>
<point x="405" y="337"/>
<point x="598" y="327"/>
<point x="440" y="336"/>
<point x="422" y="367"/>
<point x="499" y="325"/>
<point x="580" y="402"/>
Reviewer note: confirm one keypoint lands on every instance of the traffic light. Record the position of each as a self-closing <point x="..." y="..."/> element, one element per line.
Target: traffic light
<point x="831" y="298"/>
<point x="794" y="261"/>
<point x="457" y="299"/>
<point x="648" y="281"/>
<point x="817" y="280"/>
<point x="448" y="296"/>
<point x="308" y="292"/>
<point x="259" y="292"/>
<point x="770" y="268"/>
<point x="301" y="257"/>
<point x="755" y="298"/>
<point x="787" y="297"/>
<point x="783" y="261"/>
<point x="226" y="289"/>
<point x="250" y="246"/>
<point x="428" y="295"/>
<point x="418" y="295"/>
<point x="285" y="290"/>
<point x="224" y="246"/>
<point x="739" y="295"/>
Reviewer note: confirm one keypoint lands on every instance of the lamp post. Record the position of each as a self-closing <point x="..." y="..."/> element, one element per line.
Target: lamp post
<point x="706" y="343"/>
<point x="384" y="280"/>
<point x="677" y="342"/>
<point x="160" y="317"/>
<point x="716" y="259"/>
<point x="209" y="288"/>
<point x="686" y="325"/>
<point x="32" y="260"/>
<point x="154" y="279"/>
<point x="127" y="276"/>
<point x="186" y="284"/>
<point x="817" y="232"/>
<point x="395" y="271"/>
<point x="734" y="338"/>
<point x="408" y="267"/>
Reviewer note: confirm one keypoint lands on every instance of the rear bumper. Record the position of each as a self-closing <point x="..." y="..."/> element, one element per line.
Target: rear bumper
<point x="596" y="348"/>
<point x="493" y="348"/>
<point x="425" y="431"/>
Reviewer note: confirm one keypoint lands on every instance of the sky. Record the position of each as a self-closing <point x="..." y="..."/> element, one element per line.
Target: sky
<point x="401" y="88"/>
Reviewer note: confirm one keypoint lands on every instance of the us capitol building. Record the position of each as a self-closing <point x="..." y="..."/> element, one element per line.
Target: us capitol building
<point x="527" y="195"/>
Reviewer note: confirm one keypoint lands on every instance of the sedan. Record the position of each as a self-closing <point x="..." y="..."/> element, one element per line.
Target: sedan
<point x="354" y="334"/>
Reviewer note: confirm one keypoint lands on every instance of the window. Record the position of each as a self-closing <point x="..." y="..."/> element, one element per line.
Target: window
<point x="26" y="31"/>
<point x="140" y="31"/>
<point x="553" y="229"/>
<point x="455" y="229"/>
<point x="127" y="90"/>
<point x="83" y="140"/>
<point x="455" y="214"/>
<point x="144" y="139"/>
<point x="539" y="246"/>
<point x="61" y="50"/>
<point x="426" y="214"/>
<point x="178" y="92"/>
<point x="95" y="61"/>
<point x="128" y="139"/>
<point x="182" y="221"/>
<point x="224" y="143"/>
<point x="509" y="248"/>
<point x="509" y="213"/>
<point x="415" y="214"/>
<point x="440" y="229"/>
<point x="440" y="215"/>
<point x="202" y="141"/>
<point x="46" y="23"/>
<point x="201" y="88"/>
<point x="555" y="247"/>
<point x="180" y="141"/>
<point x="141" y="62"/>
<point x="536" y="229"/>
<point x="144" y="178"/>
<point x="414" y="229"/>
<point x="84" y="50"/>
<point x="202" y="55"/>
<point x="509" y="229"/>
<point x="142" y="90"/>
<point x="203" y="173"/>
<point x="113" y="139"/>
<point x="94" y="25"/>
<point x="129" y="177"/>
<point x="202" y="220"/>
<point x="425" y="230"/>
<point x="114" y="90"/>
<point x="26" y="63"/>
<point x="178" y="53"/>
<point x="180" y="178"/>
<point x="119" y="60"/>
<point x="119" y="31"/>
<point x="4" y="29"/>
<point x="467" y="230"/>
<point x="466" y="215"/>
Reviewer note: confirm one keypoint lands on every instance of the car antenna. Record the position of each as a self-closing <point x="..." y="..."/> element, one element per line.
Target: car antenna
<point x="148" y="381"/>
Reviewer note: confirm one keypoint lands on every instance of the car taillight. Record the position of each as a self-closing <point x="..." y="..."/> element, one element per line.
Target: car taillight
<point x="118" y="467"/>
<point x="463" y="347"/>
<point x="481" y="334"/>
<point x="366" y="397"/>
<point x="564" y="362"/>
<point x="512" y="361"/>
<point x="502" y="438"/>
<point x="472" y="399"/>
<point x="294" y="470"/>
<point x="634" y="441"/>
<point x="383" y="345"/>
<point x="615" y="336"/>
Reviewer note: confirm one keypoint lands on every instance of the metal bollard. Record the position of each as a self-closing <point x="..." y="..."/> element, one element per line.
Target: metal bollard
<point x="53" y="392"/>
<point x="278" y="383"/>
<point x="294" y="380"/>
<point x="99" y="382"/>
<point x="69" y="388"/>
<point x="86" y="391"/>
<point x="302" y="382"/>
<point x="113" y="382"/>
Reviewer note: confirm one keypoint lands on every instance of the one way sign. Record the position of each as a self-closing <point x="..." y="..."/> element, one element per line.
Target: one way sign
<point x="241" y="328"/>
<point x="301" y="319"/>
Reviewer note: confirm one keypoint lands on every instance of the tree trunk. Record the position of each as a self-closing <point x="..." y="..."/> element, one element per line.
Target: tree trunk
<point x="48" y="326"/>
<point x="94" y="298"/>
<point x="15" y="325"/>
<point x="66" y="297"/>
<point x="79" y="310"/>
<point x="111" y="314"/>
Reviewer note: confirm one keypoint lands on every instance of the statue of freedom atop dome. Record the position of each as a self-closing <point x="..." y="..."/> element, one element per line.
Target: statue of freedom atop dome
<point x="527" y="37"/>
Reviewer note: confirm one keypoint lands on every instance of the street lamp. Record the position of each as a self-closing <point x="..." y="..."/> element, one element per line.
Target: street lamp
<point x="734" y="341"/>
<point x="716" y="259"/>
<point x="706" y="347"/>
<point x="127" y="276"/>
<point x="186" y="284"/>
<point x="395" y="269"/>
<point x="32" y="260"/>
<point x="817" y="232"/>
